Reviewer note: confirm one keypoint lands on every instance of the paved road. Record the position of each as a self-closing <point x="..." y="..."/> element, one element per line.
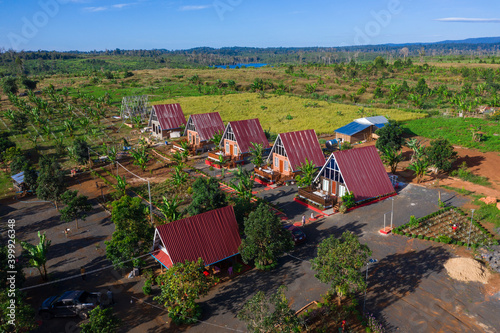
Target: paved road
<point x="408" y="287"/>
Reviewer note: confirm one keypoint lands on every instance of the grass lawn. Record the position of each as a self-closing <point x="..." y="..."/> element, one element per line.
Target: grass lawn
<point x="5" y="184"/>
<point x="285" y="113"/>
<point x="458" y="131"/>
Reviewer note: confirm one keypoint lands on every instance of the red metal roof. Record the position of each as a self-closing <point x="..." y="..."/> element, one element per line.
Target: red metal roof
<point x="212" y="236"/>
<point x="363" y="172"/>
<point x="207" y="124"/>
<point x="248" y="131"/>
<point x="302" y="145"/>
<point x="170" y="116"/>
<point x="162" y="257"/>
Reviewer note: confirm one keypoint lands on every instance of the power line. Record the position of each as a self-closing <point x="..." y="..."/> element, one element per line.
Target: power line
<point x="75" y="276"/>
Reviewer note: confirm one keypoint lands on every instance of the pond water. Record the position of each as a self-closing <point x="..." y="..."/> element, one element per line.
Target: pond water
<point x="239" y="65"/>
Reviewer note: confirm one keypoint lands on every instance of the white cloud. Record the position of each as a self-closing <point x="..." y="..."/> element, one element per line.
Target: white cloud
<point x="186" y="8"/>
<point x="95" y="9"/>
<point x="121" y="5"/>
<point x="469" y="20"/>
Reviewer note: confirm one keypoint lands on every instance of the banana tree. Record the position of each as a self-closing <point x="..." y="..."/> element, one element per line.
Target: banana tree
<point x="308" y="171"/>
<point x="121" y="184"/>
<point x="257" y="152"/>
<point x="37" y="254"/>
<point x="185" y="151"/>
<point x="420" y="168"/>
<point x="69" y="126"/>
<point x="141" y="158"/>
<point x="391" y="157"/>
<point x="179" y="177"/>
<point x="169" y="208"/>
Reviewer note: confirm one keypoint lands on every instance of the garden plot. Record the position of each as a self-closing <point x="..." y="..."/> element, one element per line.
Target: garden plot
<point x="450" y="226"/>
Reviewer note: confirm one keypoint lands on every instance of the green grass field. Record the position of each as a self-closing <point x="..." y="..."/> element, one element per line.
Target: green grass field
<point x="458" y="131"/>
<point x="282" y="114"/>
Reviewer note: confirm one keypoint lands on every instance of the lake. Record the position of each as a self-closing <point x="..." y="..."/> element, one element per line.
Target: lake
<point x="239" y="65"/>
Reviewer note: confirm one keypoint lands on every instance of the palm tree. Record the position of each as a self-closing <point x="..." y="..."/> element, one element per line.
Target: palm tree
<point x="391" y="157"/>
<point x="308" y="170"/>
<point x="37" y="254"/>
<point x="257" y="150"/>
<point x="417" y="147"/>
<point x="169" y="208"/>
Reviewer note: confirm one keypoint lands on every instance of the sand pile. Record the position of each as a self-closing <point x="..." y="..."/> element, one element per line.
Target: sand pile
<point x="464" y="269"/>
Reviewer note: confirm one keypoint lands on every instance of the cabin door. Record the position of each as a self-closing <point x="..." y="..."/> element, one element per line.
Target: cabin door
<point x="231" y="149"/>
<point x="281" y="166"/>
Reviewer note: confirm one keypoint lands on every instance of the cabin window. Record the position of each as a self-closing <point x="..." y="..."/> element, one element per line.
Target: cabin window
<point x="286" y="165"/>
<point x="276" y="162"/>
<point x="342" y="190"/>
<point x="227" y="148"/>
<point x="326" y="185"/>
<point x="190" y="137"/>
<point x="235" y="150"/>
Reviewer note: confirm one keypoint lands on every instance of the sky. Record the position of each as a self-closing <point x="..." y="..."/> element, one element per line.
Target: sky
<point x="87" y="25"/>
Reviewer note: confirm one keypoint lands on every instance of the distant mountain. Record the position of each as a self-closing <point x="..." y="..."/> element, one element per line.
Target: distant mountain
<point x="480" y="40"/>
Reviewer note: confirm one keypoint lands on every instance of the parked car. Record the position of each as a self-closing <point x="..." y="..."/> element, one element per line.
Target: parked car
<point x="298" y="235"/>
<point x="70" y="304"/>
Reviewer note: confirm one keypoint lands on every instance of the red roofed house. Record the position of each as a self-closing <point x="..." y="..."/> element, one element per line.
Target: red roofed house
<point x="201" y="128"/>
<point x="167" y="120"/>
<point x="359" y="171"/>
<point x="239" y="136"/>
<point x="289" y="151"/>
<point x="212" y="236"/>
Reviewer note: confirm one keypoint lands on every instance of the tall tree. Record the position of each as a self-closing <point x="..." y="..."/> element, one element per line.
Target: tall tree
<point x="9" y="85"/>
<point x="265" y="239"/>
<point x="100" y="321"/>
<point x="80" y="149"/>
<point x="270" y="314"/>
<point x="391" y="135"/>
<point x="440" y="154"/>
<point x="23" y="320"/>
<point x="133" y="232"/>
<point x="37" y="254"/>
<point x="50" y="183"/>
<point x="181" y="285"/>
<point x="207" y="196"/>
<point x="339" y="262"/>
<point x="76" y="206"/>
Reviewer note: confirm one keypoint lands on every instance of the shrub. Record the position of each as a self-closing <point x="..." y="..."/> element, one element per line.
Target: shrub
<point x="444" y="239"/>
<point x="413" y="221"/>
<point x="146" y="289"/>
<point x="426" y="238"/>
<point x="420" y="237"/>
<point x="348" y="200"/>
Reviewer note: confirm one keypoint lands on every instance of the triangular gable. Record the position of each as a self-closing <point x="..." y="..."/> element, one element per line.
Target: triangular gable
<point x="328" y="171"/>
<point x="277" y="148"/>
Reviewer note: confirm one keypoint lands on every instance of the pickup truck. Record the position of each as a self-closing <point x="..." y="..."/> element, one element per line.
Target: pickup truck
<point x="70" y="304"/>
